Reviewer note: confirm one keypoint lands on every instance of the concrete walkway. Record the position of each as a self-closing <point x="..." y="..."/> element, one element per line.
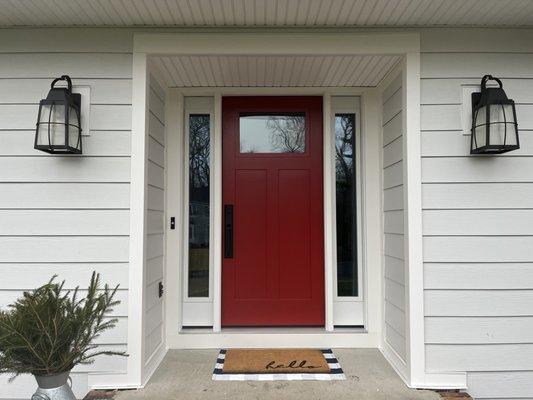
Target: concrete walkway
<point x="186" y="375"/>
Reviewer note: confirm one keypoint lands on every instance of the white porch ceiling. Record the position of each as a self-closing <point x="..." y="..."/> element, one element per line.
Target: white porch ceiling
<point x="308" y="13"/>
<point x="274" y="71"/>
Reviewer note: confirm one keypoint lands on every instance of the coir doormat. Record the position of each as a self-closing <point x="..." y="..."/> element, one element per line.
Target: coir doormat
<point x="277" y="365"/>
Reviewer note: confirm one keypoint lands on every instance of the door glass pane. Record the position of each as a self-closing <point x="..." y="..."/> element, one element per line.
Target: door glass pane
<point x="346" y="205"/>
<point x="199" y="168"/>
<point x="272" y="133"/>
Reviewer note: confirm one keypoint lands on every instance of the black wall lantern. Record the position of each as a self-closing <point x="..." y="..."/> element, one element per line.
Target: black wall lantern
<point x="494" y="126"/>
<point x="58" y="122"/>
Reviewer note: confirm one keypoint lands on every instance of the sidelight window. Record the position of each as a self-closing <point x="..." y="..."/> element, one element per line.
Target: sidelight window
<point x="199" y="188"/>
<point x="346" y="204"/>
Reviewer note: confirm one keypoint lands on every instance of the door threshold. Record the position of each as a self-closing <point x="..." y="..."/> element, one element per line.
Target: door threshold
<point x="285" y="330"/>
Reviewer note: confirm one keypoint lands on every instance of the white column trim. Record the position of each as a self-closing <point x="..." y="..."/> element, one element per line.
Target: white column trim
<point x="416" y="362"/>
<point x="138" y="195"/>
<point x="217" y="214"/>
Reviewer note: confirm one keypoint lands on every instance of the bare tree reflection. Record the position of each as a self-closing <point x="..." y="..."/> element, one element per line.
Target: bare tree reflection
<point x="344" y="140"/>
<point x="288" y="133"/>
<point x="199" y="151"/>
<point x="345" y="204"/>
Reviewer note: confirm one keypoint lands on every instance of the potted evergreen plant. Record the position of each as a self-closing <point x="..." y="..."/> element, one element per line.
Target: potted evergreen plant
<point x="49" y="330"/>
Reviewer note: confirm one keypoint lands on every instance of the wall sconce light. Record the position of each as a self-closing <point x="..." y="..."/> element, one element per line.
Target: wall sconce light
<point x="494" y="126"/>
<point x="58" y="123"/>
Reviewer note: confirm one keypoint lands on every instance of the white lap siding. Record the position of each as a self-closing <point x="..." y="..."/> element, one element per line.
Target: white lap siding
<point x="155" y="226"/>
<point x="477" y="216"/>
<point x="393" y="220"/>
<point x="65" y="215"/>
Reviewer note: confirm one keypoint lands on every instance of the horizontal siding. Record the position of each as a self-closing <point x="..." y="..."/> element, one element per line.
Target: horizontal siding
<point x="448" y="91"/>
<point x="502" y="195"/>
<point x="64" y="169"/>
<point x="478" y="222"/>
<point x="394" y="245"/>
<point x="448" y="117"/>
<point x="477" y="169"/>
<point x="453" y="143"/>
<point x="467" y="357"/>
<point x="70" y="249"/>
<point x="478" y="303"/>
<point x="475" y="65"/>
<point x="478" y="276"/>
<point x="393" y="175"/>
<point x="393" y="199"/>
<point x="478" y="330"/>
<point x="31" y="90"/>
<point x="97" y="144"/>
<point x="21" y="276"/>
<point x="66" y="195"/>
<point x="478" y="248"/>
<point x="107" y="117"/>
<point x="156" y="198"/>
<point x="64" y="222"/>
<point x="154" y="269"/>
<point x="76" y="65"/>
<point x="394" y="269"/>
<point x="499" y="385"/>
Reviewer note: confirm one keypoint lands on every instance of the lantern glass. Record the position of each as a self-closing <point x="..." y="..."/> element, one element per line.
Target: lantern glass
<point x="502" y="130"/>
<point x="74" y="134"/>
<point x="480" y="130"/>
<point x="51" y="127"/>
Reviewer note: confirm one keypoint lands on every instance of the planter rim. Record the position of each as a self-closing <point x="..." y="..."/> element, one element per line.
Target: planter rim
<point x="51" y="381"/>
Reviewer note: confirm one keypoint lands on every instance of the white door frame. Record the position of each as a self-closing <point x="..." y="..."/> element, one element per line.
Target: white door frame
<point x="406" y="44"/>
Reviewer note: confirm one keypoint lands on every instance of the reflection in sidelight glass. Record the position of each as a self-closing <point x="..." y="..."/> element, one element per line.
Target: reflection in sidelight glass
<point x="199" y="168"/>
<point x="272" y="133"/>
<point x="346" y="205"/>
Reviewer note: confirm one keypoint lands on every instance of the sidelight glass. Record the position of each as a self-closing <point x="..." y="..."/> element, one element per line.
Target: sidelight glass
<point x="199" y="171"/>
<point x="346" y="205"/>
<point x="272" y="133"/>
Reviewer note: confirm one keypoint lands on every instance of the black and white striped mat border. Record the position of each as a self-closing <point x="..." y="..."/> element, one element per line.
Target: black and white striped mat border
<point x="335" y="373"/>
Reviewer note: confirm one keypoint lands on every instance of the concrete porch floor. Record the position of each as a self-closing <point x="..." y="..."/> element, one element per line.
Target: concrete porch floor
<point x="186" y="375"/>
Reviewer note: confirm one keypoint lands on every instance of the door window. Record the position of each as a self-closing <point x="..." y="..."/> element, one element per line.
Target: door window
<point x="272" y="133"/>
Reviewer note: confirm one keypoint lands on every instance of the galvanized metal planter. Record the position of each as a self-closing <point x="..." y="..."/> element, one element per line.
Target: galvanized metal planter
<point x="53" y="387"/>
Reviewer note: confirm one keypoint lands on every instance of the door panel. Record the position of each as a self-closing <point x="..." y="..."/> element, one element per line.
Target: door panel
<point x="272" y="175"/>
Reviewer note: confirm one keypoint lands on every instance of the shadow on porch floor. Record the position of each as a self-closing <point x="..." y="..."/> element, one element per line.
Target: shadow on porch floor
<point x="186" y="375"/>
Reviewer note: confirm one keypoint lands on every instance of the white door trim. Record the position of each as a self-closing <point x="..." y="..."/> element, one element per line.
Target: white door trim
<point x="216" y="192"/>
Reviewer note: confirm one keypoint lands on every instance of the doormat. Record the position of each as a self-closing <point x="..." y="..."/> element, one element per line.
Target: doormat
<point x="277" y="365"/>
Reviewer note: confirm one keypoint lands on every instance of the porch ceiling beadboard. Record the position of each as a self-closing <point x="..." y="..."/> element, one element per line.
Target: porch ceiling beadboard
<point x="274" y="71"/>
<point x="308" y="13"/>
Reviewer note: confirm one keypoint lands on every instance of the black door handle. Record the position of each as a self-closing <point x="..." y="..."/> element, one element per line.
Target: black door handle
<point x="228" y="231"/>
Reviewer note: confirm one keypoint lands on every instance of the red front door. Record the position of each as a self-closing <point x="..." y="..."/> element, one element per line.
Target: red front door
<point x="273" y="265"/>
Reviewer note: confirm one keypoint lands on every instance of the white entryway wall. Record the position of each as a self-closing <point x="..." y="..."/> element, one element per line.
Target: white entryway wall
<point x="478" y="218"/>
<point x="393" y="219"/>
<point x="60" y="214"/>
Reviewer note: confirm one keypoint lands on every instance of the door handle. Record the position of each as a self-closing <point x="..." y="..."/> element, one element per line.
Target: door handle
<point x="228" y="231"/>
